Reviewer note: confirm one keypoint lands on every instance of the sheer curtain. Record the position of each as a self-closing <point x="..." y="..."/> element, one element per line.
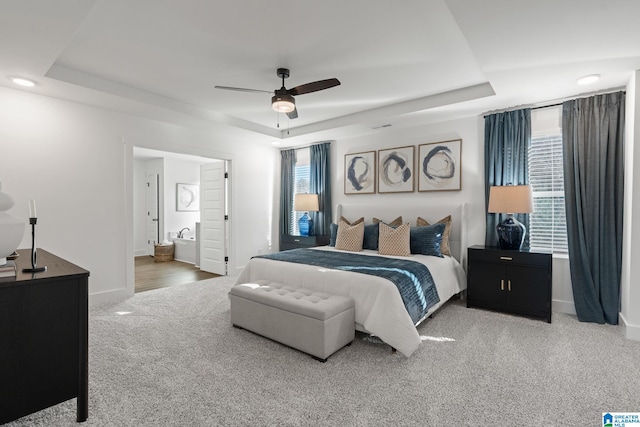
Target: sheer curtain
<point x="593" y="146"/>
<point x="507" y="137"/>
<point x="320" y="184"/>
<point x="288" y="164"/>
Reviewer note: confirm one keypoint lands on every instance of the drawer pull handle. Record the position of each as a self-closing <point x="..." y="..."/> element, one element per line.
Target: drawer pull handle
<point x="502" y="285"/>
<point x="509" y="282"/>
<point x="296" y="240"/>
<point x="506" y="258"/>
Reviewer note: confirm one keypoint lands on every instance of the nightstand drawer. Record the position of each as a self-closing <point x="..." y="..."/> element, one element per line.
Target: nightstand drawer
<point x="292" y="242"/>
<point x="531" y="259"/>
<point x="300" y="241"/>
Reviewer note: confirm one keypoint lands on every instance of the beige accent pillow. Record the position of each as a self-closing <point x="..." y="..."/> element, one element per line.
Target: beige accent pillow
<point x="356" y="222"/>
<point x="444" y="246"/>
<point x="395" y="223"/>
<point x="349" y="237"/>
<point x="394" y="241"/>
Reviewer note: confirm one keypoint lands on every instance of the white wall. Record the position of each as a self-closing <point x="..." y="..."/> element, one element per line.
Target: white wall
<point x="471" y="131"/>
<point x="630" y="288"/>
<point x="472" y="168"/>
<point x="77" y="162"/>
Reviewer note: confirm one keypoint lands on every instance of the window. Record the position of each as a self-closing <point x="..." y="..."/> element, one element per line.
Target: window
<point x="301" y="180"/>
<point x="547" y="224"/>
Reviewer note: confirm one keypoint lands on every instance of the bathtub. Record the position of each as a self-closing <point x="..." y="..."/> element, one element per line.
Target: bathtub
<point x="185" y="249"/>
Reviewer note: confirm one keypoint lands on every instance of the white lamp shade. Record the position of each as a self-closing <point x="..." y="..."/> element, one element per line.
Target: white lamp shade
<point x="306" y="202"/>
<point x="11" y="228"/>
<point x="510" y="199"/>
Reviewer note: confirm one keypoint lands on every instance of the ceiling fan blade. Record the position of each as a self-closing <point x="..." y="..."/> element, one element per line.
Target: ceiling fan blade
<point x="293" y="114"/>
<point x="241" y="89"/>
<point x="314" y="86"/>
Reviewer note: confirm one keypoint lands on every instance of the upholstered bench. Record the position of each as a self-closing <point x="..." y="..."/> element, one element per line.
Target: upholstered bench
<point x="314" y="322"/>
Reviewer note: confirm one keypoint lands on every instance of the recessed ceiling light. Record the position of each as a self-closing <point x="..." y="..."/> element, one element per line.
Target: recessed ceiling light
<point x="23" y="82"/>
<point x="591" y="78"/>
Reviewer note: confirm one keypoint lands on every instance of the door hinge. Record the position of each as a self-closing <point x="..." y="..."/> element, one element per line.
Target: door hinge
<point x="226" y="174"/>
<point x="226" y="259"/>
<point x="226" y="217"/>
<point x="148" y="184"/>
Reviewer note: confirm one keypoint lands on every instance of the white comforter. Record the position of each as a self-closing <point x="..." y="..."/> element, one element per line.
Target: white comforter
<point x="379" y="308"/>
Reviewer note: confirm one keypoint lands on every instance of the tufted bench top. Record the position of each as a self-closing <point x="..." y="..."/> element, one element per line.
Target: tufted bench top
<point x="306" y="302"/>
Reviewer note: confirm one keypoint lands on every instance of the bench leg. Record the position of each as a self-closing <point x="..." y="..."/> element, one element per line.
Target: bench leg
<point x="319" y="359"/>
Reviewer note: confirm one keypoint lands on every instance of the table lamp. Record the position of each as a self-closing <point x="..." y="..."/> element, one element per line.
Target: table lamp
<point x="307" y="203"/>
<point x="510" y="199"/>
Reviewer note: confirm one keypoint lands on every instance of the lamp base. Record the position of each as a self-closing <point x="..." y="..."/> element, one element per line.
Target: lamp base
<point x="34" y="270"/>
<point x="305" y="225"/>
<point x="511" y="233"/>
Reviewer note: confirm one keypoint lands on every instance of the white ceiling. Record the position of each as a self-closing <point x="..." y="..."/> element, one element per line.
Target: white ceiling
<point x="400" y="63"/>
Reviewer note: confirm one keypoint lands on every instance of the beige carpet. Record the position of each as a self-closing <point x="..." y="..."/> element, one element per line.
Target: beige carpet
<point x="169" y="357"/>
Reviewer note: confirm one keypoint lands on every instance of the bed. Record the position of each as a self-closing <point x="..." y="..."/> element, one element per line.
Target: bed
<point x="379" y="307"/>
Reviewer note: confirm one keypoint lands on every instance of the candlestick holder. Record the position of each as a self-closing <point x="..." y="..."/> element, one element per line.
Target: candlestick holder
<point x="34" y="256"/>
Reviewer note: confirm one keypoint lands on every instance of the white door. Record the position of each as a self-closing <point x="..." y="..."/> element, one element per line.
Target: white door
<point x="153" y="224"/>
<point x="212" y="218"/>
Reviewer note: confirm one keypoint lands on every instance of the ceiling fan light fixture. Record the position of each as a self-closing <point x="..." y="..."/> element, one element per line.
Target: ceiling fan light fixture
<point x="283" y="103"/>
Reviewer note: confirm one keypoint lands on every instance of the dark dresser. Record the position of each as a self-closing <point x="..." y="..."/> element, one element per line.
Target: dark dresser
<point x="43" y="337"/>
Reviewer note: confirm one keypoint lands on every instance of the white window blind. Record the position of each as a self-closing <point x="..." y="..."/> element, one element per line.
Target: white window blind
<point x="301" y="178"/>
<point x="547" y="226"/>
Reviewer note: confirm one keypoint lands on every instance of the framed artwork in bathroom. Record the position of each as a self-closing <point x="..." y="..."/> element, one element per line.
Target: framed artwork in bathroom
<point x="187" y="197"/>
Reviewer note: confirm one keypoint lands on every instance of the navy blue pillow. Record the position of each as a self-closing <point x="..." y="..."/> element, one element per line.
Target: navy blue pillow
<point x="371" y="237"/>
<point x="333" y="228"/>
<point x="426" y="240"/>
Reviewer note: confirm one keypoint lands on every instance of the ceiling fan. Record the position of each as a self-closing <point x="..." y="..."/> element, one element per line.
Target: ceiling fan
<point x="283" y="100"/>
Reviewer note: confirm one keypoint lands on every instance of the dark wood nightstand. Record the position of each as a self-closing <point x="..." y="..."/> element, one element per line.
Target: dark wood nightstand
<point x="517" y="282"/>
<point x="293" y="242"/>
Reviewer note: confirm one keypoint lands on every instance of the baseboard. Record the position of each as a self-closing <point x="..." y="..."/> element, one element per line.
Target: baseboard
<point x="565" y="307"/>
<point x="141" y="252"/>
<point x="110" y="296"/>
<point x="631" y="332"/>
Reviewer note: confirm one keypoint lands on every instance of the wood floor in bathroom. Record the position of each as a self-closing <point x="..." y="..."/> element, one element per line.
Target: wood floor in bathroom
<point x="154" y="275"/>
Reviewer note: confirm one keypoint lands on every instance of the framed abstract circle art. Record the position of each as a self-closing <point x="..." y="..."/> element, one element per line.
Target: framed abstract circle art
<point x="360" y="173"/>
<point x="395" y="170"/>
<point x="439" y="166"/>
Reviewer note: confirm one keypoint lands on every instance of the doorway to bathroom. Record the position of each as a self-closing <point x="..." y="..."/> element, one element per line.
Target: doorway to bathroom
<point x="183" y="223"/>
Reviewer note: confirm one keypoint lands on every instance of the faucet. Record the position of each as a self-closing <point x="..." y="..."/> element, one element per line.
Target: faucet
<point x="180" y="232"/>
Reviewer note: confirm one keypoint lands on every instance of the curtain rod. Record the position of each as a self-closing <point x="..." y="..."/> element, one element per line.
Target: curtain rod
<point x="295" y="147"/>
<point x="555" y="102"/>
